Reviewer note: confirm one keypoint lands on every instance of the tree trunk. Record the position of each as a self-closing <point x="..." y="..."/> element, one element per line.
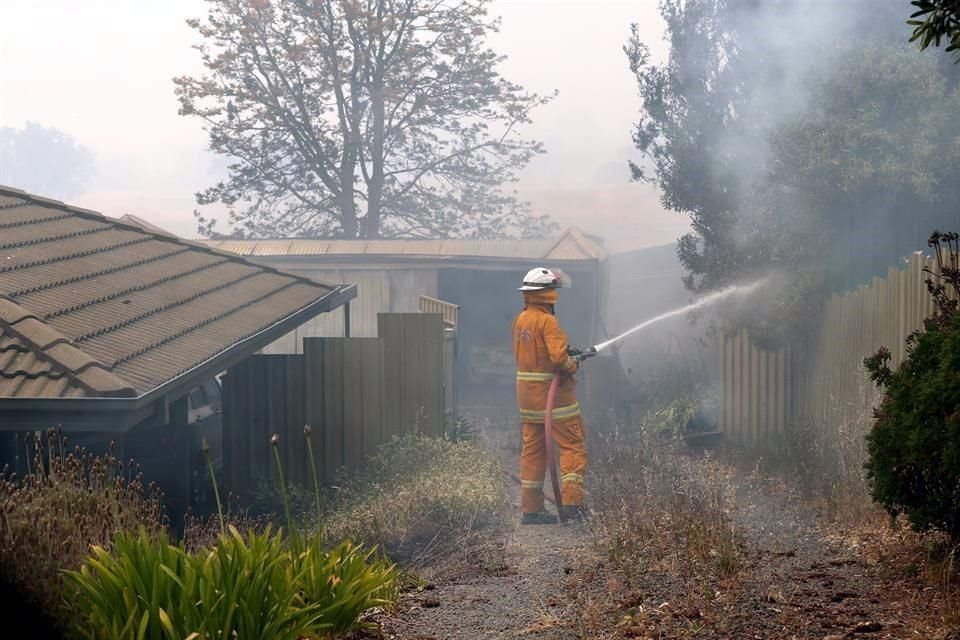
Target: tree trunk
<point x="375" y="186"/>
<point x="348" y="211"/>
<point x="348" y="206"/>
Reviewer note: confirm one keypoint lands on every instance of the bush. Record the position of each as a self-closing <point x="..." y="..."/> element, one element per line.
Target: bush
<point x="415" y="488"/>
<point x="253" y="587"/>
<point x="51" y="517"/>
<point x="914" y="445"/>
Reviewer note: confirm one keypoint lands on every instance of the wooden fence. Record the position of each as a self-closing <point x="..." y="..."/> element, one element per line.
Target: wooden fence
<point x="763" y="392"/>
<point x="355" y="393"/>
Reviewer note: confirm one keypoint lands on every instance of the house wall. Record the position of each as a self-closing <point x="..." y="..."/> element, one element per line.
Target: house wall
<point x="378" y="291"/>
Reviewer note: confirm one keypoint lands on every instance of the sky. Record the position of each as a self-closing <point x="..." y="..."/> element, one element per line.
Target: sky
<point x="102" y="70"/>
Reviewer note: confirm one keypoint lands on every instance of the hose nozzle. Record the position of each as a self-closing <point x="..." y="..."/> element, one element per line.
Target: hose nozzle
<point x="581" y="354"/>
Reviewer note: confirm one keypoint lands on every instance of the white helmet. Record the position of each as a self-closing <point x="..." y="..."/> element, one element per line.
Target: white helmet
<point x="540" y="278"/>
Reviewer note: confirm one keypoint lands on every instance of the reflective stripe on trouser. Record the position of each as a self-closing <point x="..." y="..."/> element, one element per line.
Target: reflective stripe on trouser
<point x="572" y="451"/>
<point x="534" y="376"/>
<point x="559" y="413"/>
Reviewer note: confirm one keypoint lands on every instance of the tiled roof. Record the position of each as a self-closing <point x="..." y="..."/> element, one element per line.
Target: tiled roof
<point x="92" y="306"/>
<point x="571" y="245"/>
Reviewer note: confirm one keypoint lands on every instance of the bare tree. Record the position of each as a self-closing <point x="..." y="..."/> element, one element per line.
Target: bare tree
<point x="360" y="119"/>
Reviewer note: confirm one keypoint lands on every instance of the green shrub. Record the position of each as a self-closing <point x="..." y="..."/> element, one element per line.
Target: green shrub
<point x="345" y="582"/>
<point x="254" y="587"/>
<point x="148" y="588"/>
<point x="262" y="585"/>
<point x="914" y="445"/>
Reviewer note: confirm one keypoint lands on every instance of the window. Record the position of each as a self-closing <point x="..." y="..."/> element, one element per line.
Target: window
<point x="196" y="399"/>
<point x="211" y="390"/>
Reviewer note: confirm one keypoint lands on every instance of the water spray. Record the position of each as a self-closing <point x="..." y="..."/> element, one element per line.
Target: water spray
<point x="699" y="304"/>
<point x="582" y="354"/>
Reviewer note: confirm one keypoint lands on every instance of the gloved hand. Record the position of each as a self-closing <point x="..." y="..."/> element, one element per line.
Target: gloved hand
<point x="579" y="355"/>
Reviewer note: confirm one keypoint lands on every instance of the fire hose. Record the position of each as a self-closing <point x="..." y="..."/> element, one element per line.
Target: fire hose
<point x="579" y="355"/>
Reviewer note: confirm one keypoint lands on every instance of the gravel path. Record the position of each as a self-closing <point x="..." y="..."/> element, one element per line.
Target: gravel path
<point x="525" y="601"/>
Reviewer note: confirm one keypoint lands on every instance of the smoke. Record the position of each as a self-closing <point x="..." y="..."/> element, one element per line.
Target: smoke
<point x="802" y="137"/>
<point x="783" y="47"/>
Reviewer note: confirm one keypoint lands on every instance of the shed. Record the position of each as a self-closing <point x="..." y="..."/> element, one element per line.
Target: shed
<point x="480" y="276"/>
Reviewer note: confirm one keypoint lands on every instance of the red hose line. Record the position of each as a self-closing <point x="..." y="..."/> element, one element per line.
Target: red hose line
<point x="548" y="436"/>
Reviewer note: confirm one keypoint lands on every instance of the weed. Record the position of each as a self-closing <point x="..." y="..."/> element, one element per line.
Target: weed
<point x="460" y="431"/>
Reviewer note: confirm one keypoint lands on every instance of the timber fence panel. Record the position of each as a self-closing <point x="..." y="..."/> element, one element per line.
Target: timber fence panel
<point x="762" y="393"/>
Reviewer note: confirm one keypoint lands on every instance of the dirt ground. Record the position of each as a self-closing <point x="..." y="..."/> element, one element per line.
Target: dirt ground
<point x="799" y="577"/>
<point x="523" y="600"/>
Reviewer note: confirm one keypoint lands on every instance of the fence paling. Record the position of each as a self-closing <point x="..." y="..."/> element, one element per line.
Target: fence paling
<point x="338" y="386"/>
<point x="761" y="393"/>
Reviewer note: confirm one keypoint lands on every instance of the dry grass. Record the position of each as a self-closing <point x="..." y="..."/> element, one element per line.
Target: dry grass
<point x="678" y="564"/>
<point x="825" y="460"/>
<point x="69" y="501"/>
<point x="659" y="511"/>
<point x="203" y="531"/>
<point x="422" y="499"/>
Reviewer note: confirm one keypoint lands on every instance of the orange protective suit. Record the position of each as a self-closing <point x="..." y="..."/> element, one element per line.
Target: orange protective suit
<point x="540" y="349"/>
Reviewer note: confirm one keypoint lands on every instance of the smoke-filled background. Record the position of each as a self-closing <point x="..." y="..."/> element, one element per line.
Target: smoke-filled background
<point x="115" y="62"/>
<point x="797" y="138"/>
<point x="793" y="137"/>
<point x="802" y="138"/>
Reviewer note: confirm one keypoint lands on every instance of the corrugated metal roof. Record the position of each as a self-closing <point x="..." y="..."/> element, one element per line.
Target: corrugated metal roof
<point x="97" y="307"/>
<point x="571" y="245"/>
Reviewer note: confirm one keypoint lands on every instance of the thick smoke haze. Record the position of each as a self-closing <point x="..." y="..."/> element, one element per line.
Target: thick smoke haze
<point x="114" y="62"/>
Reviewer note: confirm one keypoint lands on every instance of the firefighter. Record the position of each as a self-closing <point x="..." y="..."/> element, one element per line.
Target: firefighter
<point x="541" y="349"/>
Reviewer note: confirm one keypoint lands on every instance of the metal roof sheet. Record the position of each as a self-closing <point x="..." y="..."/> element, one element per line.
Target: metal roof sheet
<point x="97" y="307"/>
<point x="571" y="245"/>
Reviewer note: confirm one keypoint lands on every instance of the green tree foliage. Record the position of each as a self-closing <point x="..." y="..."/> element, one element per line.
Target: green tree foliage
<point x="360" y="119"/>
<point x="796" y="145"/>
<point x="914" y="445"/>
<point x="874" y="159"/>
<point x="689" y="110"/>
<point x="936" y="20"/>
<point x="44" y="161"/>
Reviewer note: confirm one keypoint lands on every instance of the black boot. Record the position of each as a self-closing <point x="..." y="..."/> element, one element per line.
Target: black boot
<point x="575" y="513"/>
<point x="538" y="517"/>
